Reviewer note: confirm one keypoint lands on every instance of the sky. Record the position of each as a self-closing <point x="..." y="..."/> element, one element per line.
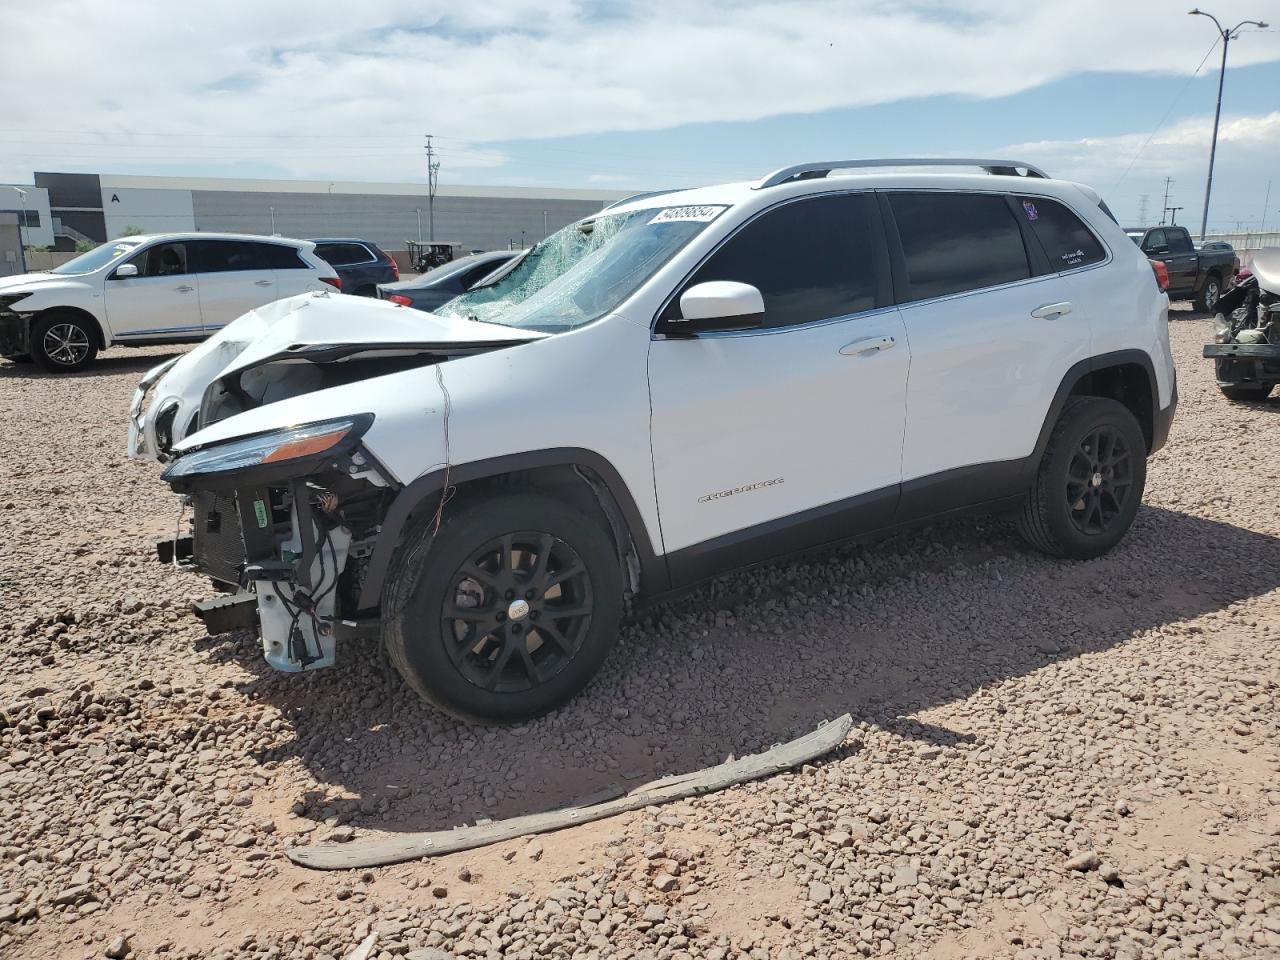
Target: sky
<point x="647" y="95"/>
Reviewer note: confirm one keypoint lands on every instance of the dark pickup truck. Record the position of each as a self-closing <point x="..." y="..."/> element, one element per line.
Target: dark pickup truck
<point x="1197" y="275"/>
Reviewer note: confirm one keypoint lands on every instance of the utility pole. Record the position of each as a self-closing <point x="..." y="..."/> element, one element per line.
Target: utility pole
<point x="433" y="175"/>
<point x="1227" y="37"/>
<point x="1142" y="207"/>
<point x="1168" y="182"/>
<point x="419" y="212"/>
<point x="273" y="220"/>
<point x="1262" y="227"/>
<point x="544" y="217"/>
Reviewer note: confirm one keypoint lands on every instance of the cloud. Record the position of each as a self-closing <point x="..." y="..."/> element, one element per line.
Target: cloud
<point x="236" y="83"/>
<point x="1131" y="164"/>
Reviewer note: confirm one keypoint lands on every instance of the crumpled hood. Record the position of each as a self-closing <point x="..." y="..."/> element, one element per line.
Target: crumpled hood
<point x="319" y="327"/>
<point x="314" y="324"/>
<point x="1266" y="267"/>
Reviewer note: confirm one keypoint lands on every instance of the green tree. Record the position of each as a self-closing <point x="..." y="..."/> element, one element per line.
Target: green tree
<point x="131" y="231"/>
<point x="84" y="246"/>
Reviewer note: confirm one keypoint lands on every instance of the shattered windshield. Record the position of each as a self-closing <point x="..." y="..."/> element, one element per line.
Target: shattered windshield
<point x="585" y="270"/>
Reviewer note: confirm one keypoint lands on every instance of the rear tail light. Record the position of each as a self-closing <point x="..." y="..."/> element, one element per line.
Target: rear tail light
<point x="402" y="301"/>
<point x="395" y="267"/>
<point x="1162" y="274"/>
<point x="335" y="282"/>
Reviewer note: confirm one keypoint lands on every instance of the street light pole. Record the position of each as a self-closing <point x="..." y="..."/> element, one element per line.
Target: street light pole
<point x="1227" y="37"/>
<point x="22" y="227"/>
<point x="273" y="220"/>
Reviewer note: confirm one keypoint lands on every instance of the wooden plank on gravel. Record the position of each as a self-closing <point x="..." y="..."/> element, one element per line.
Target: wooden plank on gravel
<point x="412" y="846"/>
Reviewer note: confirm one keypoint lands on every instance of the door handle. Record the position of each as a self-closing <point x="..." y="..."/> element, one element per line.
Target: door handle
<point x="185" y="288"/>
<point x="1051" y="310"/>
<point x="262" y="283"/>
<point x="867" y="345"/>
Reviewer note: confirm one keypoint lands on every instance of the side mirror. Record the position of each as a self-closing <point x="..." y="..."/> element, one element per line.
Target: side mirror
<point x="719" y="305"/>
<point x="125" y="270"/>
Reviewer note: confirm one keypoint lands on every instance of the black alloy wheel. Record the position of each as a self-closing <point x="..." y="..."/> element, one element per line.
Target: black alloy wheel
<point x="508" y="609"/>
<point x="1099" y="479"/>
<point x="1089" y="483"/>
<point x="517" y="611"/>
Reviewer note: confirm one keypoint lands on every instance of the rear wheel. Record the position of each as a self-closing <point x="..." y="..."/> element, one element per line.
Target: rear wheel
<point x="1242" y="393"/>
<point x="63" y="343"/>
<point x="1090" y="481"/>
<point x="1207" y="298"/>
<point x="508" y="611"/>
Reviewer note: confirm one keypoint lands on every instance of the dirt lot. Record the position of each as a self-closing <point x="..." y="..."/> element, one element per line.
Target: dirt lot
<point x="1048" y="760"/>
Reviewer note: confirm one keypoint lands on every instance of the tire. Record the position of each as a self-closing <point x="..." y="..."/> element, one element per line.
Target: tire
<point x="499" y="661"/>
<point x="1081" y="505"/>
<point x="63" y="343"/>
<point x="1243" y="393"/>
<point x="366" y="291"/>
<point x="1207" y="299"/>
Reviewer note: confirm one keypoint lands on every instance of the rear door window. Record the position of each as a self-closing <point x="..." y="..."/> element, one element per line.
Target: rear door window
<point x="1066" y="240"/>
<point x="1155" y="240"/>
<point x="225" y="256"/>
<point x="954" y="242"/>
<point x="812" y="259"/>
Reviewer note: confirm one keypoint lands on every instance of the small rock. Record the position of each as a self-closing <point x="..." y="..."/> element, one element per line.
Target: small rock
<point x="664" y="882"/>
<point x="534" y="850"/>
<point x="1084" y="861"/>
<point x="655" y="913"/>
<point x="118" y="948"/>
<point x="341" y="834"/>
<point x="819" y="892"/>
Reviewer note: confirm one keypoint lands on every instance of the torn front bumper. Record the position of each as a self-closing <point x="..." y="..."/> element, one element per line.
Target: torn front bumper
<point x="284" y="563"/>
<point x="1243" y="364"/>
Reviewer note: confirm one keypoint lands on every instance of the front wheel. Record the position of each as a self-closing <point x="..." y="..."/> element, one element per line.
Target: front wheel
<point x="63" y="343"/>
<point x="1090" y="481"/>
<point x="507" y="611"/>
<point x="1243" y="393"/>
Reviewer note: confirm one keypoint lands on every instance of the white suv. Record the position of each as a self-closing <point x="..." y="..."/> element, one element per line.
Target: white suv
<point x="684" y="384"/>
<point x="167" y="288"/>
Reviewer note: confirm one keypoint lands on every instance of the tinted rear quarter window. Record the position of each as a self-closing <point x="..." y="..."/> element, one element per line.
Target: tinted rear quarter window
<point x="1067" y="242"/>
<point x="812" y="259"/>
<point x="953" y="242"/>
<point x="279" y="257"/>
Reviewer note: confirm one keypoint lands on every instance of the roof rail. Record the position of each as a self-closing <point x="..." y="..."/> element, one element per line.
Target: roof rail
<point x="819" y="169"/>
<point x="637" y="196"/>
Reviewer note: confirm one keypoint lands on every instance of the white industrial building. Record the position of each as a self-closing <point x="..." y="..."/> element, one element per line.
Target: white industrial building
<point x="100" y="207"/>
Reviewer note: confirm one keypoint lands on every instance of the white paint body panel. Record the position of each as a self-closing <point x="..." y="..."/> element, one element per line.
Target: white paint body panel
<point x="983" y="373"/>
<point x="774" y="405"/>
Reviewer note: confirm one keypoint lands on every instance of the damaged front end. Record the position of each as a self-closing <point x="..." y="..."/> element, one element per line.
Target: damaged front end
<point x="268" y="433"/>
<point x="278" y="517"/>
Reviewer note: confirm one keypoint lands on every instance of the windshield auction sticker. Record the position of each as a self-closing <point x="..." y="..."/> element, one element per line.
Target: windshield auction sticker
<point x="687" y="214"/>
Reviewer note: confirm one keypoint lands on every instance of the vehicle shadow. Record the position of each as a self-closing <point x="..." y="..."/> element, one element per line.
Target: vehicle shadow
<point x="108" y="363"/>
<point x="881" y="631"/>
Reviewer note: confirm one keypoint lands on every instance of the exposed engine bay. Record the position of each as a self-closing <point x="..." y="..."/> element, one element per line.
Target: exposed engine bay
<point x="1246" y="347"/>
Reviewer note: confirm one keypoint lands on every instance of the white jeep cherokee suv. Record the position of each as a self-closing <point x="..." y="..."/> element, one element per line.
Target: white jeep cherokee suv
<point x="167" y="288"/>
<point x="684" y="384"/>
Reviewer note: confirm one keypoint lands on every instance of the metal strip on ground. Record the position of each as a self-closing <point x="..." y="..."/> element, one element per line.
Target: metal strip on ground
<point x="414" y="846"/>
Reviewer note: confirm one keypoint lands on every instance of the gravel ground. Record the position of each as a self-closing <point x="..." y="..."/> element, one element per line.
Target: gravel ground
<point x="1049" y="759"/>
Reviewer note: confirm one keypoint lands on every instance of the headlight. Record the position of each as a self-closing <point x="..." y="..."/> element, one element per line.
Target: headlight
<point x="290" y="445"/>
<point x="1221" y="329"/>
